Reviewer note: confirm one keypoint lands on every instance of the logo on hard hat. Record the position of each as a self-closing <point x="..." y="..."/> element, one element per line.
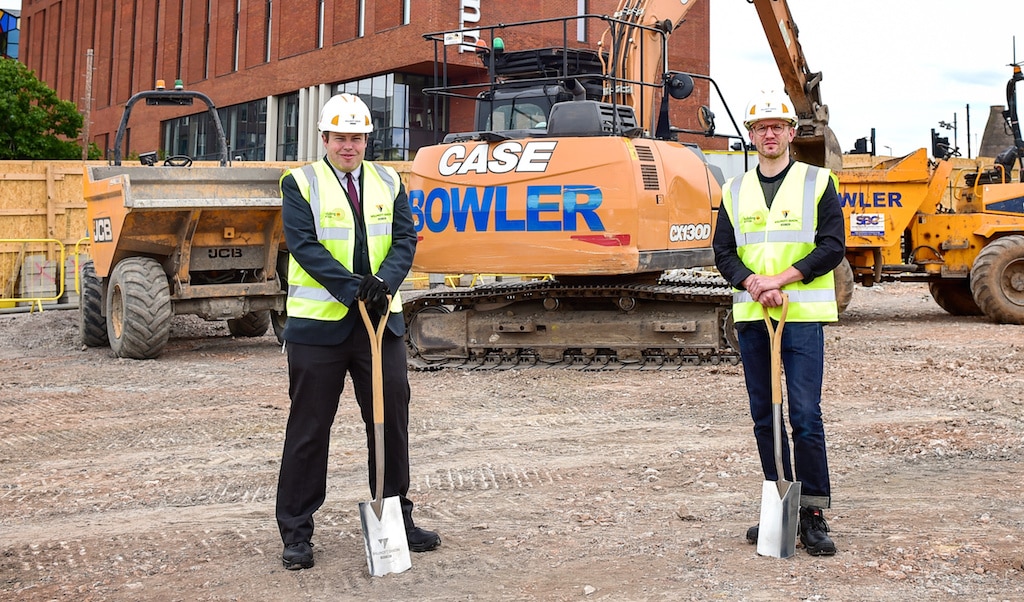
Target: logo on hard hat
<point x="353" y="119"/>
<point x="769" y="107"/>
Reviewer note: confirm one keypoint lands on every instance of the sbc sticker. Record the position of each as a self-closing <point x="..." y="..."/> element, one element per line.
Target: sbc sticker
<point x="867" y="224"/>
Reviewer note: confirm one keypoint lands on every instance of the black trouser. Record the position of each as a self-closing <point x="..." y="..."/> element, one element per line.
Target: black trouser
<point x="316" y="377"/>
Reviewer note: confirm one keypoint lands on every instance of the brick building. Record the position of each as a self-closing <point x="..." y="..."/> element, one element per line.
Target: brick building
<point x="270" y="64"/>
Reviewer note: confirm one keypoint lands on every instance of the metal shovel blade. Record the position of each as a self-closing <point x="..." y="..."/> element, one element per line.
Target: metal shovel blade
<point x="387" y="548"/>
<point x="780" y="500"/>
<point x="387" y="545"/>
<point x="780" y="516"/>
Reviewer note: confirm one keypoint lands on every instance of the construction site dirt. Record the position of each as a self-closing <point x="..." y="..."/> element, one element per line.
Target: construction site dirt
<point x="156" y="479"/>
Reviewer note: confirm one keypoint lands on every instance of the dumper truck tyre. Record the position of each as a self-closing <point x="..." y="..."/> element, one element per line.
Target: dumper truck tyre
<point x="955" y="297"/>
<point x="138" y="309"/>
<point x="843" y="275"/>
<point x="997" y="280"/>
<point x="252" y="324"/>
<point x="92" y="326"/>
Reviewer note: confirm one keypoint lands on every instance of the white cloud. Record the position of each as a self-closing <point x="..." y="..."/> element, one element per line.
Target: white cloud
<point x="899" y="66"/>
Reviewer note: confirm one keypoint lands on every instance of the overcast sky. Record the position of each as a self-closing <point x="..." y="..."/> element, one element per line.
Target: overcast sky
<point x="899" y="66"/>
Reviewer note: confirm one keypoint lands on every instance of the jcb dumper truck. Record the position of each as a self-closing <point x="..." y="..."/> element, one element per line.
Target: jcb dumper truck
<point x="915" y="221"/>
<point x="178" y="239"/>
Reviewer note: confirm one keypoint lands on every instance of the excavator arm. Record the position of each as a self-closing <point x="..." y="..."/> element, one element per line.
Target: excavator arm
<point x="815" y="141"/>
<point x="636" y="58"/>
<point x="636" y="52"/>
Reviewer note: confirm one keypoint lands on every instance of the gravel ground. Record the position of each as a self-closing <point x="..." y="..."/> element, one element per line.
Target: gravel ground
<point x="155" y="480"/>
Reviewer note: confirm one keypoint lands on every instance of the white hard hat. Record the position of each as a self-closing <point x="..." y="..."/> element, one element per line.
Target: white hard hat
<point x="345" y="113"/>
<point x="769" y="105"/>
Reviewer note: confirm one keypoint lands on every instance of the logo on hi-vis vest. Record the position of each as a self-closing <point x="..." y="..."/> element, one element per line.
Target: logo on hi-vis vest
<point x="753" y="219"/>
<point x="546" y="208"/>
<point x="785" y="221"/>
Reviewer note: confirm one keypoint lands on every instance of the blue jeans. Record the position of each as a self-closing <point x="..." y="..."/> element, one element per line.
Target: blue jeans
<point x="803" y="360"/>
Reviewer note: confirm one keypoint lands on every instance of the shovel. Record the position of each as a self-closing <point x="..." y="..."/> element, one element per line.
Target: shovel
<point x="780" y="500"/>
<point x="387" y="547"/>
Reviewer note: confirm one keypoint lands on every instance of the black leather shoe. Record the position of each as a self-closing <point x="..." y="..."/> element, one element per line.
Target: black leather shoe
<point x="814" y="532"/>
<point x="421" y="540"/>
<point x="298" y="556"/>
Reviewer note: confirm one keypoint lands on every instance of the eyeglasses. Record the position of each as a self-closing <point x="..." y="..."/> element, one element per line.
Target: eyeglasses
<point x="777" y="128"/>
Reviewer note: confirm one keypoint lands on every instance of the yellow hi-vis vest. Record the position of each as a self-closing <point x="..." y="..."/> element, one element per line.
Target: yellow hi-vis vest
<point x="335" y="229"/>
<point x="771" y="240"/>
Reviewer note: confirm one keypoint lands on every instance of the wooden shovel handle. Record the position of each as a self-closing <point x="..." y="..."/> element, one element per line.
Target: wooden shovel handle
<point x="377" y="363"/>
<point x="775" y="334"/>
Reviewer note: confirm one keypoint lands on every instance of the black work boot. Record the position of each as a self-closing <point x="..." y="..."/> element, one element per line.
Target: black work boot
<point x="752" y="533"/>
<point x="421" y="540"/>
<point x="814" y="532"/>
<point x="298" y="556"/>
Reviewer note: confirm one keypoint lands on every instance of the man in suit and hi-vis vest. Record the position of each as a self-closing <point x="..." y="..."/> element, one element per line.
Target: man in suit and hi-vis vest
<point x="781" y="230"/>
<point x="350" y="234"/>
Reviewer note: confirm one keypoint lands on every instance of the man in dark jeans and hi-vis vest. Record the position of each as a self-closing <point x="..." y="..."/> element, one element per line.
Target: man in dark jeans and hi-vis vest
<point x="350" y="233"/>
<point x="781" y="229"/>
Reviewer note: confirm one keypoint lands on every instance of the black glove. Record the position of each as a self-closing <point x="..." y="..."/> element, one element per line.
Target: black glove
<point x="374" y="292"/>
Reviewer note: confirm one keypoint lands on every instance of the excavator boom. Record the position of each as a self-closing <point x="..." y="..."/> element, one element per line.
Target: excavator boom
<point x="636" y="45"/>
<point x="815" y="141"/>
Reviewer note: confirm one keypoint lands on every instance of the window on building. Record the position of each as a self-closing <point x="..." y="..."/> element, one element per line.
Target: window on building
<point x="288" y="128"/>
<point x="362" y="19"/>
<point x="181" y="35"/>
<point x="581" y="24"/>
<point x="238" y="12"/>
<point x="206" y="46"/>
<point x="245" y="129"/>
<point x="10" y="33"/>
<point x="403" y="122"/>
<point x="406" y="12"/>
<point x="201" y="140"/>
<point x="403" y="117"/>
<point x="270" y="21"/>
<point x="320" y="24"/>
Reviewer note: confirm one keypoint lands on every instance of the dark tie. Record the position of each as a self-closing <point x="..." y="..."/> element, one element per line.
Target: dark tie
<point x="352" y="194"/>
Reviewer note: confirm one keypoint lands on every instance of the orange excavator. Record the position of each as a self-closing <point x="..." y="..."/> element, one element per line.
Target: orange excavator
<point x="574" y="170"/>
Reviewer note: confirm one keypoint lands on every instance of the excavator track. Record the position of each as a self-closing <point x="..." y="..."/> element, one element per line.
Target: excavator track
<point x="684" y="319"/>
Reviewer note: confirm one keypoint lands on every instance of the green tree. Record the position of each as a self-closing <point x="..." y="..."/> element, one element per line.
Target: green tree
<point x="34" y="122"/>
